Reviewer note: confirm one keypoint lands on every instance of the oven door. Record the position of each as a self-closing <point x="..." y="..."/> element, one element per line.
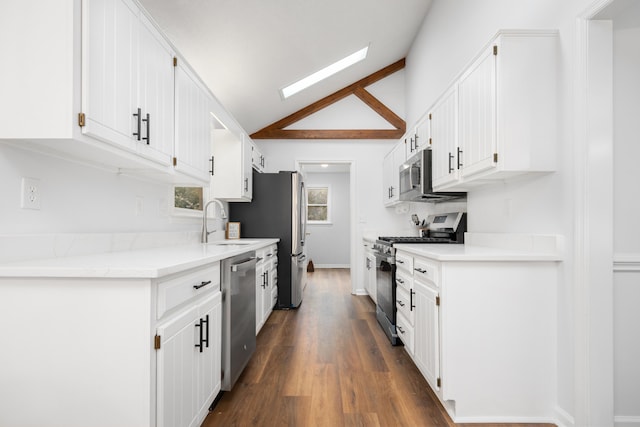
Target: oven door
<point x="385" y="286"/>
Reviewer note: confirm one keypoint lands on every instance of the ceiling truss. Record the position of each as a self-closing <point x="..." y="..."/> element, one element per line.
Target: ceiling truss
<point x="278" y="129"/>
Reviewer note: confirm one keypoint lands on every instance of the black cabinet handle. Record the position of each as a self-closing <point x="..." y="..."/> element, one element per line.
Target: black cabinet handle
<point x="399" y="261"/>
<point x="139" y="121"/>
<point x="459" y="158"/>
<point x="202" y="284"/>
<point x="147" y="121"/>
<point x="206" y="322"/>
<point x="199" y="325"/>
<point x="415" y="141"/>
<point x="400" y="303"/>
<point x="212" y="166"/>
<point x="420" y="270"/>
<point x="400" y="329"/>
<point x="411" y="306"/>
<point x="246" y="185"/>
<point x="450" y="158"/>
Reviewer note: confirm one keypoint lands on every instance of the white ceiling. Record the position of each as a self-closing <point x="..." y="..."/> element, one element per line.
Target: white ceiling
<point x="246" y="50"/>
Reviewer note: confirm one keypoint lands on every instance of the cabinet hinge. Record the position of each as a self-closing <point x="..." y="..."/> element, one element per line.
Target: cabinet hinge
<point x="81" y="119"/>
<point x="175" y="161"/>
<point x="175" y="61"/>
<point x="495" y="49"/>
<point x="429" y="116"/>
<point x="430" y="141"/>
<point x="495" y="157"/>
<point x="439" y="382"/>
<point x="156" y="342"/>
<point x="438" y="300"/>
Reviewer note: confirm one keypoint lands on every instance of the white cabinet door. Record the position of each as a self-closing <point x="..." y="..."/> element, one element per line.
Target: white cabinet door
<point x="194" y="125"/>
<point x="390" y="174"/>
<point x="156" y="94"/>
<point x="177" y="370"/>
<point x="257" y="158"/>
<point x="444" y="138"/>
<point x="477" y="115"/>
<point x="260" y="285"/>
<point x="232" y="180"/>
<point x="110" y="71"/>
<point x="209" y="360"/>
<point x="427" y="333"/>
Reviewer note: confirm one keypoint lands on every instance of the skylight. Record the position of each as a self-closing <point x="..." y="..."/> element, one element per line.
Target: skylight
<point x="324" y="73"/>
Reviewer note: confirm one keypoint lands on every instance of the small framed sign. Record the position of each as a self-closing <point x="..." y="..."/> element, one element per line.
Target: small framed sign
<point x="233" y="230"/>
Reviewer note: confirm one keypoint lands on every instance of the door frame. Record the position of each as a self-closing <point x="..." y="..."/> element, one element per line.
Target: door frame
<point x="352" y="213"/>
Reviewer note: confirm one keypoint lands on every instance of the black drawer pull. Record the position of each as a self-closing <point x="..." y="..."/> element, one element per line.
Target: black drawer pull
<point x="400" y="329"/>
<point x="201" y="285"/>
<point x="420" y="270"/>
<point x="400" y="303"/>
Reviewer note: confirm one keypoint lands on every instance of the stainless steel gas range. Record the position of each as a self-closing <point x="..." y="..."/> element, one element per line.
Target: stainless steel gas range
<point x="446" y="228"/>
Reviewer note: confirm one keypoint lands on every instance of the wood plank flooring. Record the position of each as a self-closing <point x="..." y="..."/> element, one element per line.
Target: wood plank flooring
<point x="328" y="363"/>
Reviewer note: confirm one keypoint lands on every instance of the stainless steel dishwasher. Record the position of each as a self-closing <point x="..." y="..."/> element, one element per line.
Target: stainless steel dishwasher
<point x="238" y="315"/>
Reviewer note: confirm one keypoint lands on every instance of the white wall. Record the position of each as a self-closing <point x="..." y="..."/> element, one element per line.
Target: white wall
<point x="81" y="199"/>
<point x="328" y="244"/>
<point x="451" y="35"/>
<point x="371" y="216"/>
<point x="626" y="99"/>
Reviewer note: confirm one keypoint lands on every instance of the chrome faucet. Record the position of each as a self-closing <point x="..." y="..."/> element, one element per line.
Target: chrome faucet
<point x="204" y="238"/>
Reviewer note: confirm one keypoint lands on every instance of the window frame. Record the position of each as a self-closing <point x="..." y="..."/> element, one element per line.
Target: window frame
<point x="328" y="204"/>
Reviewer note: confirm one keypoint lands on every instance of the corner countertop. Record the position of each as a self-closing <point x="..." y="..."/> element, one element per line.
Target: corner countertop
<point x="453" y="252"/>
<point x="147" y="263"/>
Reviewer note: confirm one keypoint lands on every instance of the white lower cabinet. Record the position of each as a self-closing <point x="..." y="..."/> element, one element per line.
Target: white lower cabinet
<point x="426" y="339"/>
<point x="110" y="351"/>
<point x="266" y="284"/>
<point x="482" y="334"/>
<point x="370" y="271"/>
<point x="188" y="363"/>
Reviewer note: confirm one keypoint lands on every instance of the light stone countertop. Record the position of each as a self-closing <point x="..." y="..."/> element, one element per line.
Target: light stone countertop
<point x="145" y="263"/>
<point x="454" y="252"/>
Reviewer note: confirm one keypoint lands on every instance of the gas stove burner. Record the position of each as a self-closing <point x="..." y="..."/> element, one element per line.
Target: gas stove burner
<point x="413" y="239"/>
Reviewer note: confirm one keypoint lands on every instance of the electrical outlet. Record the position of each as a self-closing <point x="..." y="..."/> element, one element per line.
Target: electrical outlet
<point x="30" y="194"/>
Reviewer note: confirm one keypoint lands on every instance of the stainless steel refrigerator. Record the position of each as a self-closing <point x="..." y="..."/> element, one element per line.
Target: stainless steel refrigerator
<point x="278" y="209"/>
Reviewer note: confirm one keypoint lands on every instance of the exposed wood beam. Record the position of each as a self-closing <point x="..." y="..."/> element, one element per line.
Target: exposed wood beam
<point x="331" y="134"/>
<point x="277" y="129"/>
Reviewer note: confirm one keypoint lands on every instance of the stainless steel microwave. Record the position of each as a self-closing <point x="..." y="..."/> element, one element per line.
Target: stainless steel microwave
<point x="416" y="181"/>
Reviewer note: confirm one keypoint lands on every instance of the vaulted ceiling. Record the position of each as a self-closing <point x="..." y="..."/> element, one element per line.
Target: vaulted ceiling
<point x="247" y="50"/>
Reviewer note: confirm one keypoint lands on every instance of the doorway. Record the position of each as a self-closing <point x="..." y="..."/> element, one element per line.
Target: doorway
<point x="331" y="212"/>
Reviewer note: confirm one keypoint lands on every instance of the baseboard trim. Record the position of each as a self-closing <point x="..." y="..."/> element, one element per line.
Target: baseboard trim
<point x="332" y="266"/>
<point x="563" y="418"/>
<point x="626" y="421"/>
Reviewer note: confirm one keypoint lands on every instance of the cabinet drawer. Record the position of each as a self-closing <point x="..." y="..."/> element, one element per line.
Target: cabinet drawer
<point x="404" y="280"/>
<point x="181" y="288"/>
<point x="404" y="262"/>
<point x="404" y="300"/>
<point x="424" y="269"/>
<point x="405" y="333"/>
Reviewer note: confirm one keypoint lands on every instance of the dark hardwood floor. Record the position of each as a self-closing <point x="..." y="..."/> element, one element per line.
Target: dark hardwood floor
<point x="328" y="363"/>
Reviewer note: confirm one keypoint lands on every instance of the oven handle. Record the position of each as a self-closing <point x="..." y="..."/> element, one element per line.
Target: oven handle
<point x="382" y="257"/>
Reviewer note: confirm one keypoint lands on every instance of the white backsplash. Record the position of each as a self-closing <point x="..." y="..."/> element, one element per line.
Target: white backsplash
<point x="18" y="247"/>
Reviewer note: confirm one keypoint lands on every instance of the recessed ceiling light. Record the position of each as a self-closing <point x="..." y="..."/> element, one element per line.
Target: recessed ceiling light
<point x="324" y="73"/>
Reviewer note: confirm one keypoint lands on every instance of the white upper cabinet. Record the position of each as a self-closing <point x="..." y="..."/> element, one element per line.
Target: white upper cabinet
<point x="257" y="158"/>
<point x="505" y="113"/>
<point x="128" y="80"/>
<point x="110" y="94"/>
<point x="477" y="119"/>
<point x="231" y="180"/>
<point x="390" y="174"/>
<point x="444" y="138"/>
<point x="195" y="124"/>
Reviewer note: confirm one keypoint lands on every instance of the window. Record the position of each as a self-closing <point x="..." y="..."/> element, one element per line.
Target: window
<point x="318" y="208"/>
<point x="187" y="201"/>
